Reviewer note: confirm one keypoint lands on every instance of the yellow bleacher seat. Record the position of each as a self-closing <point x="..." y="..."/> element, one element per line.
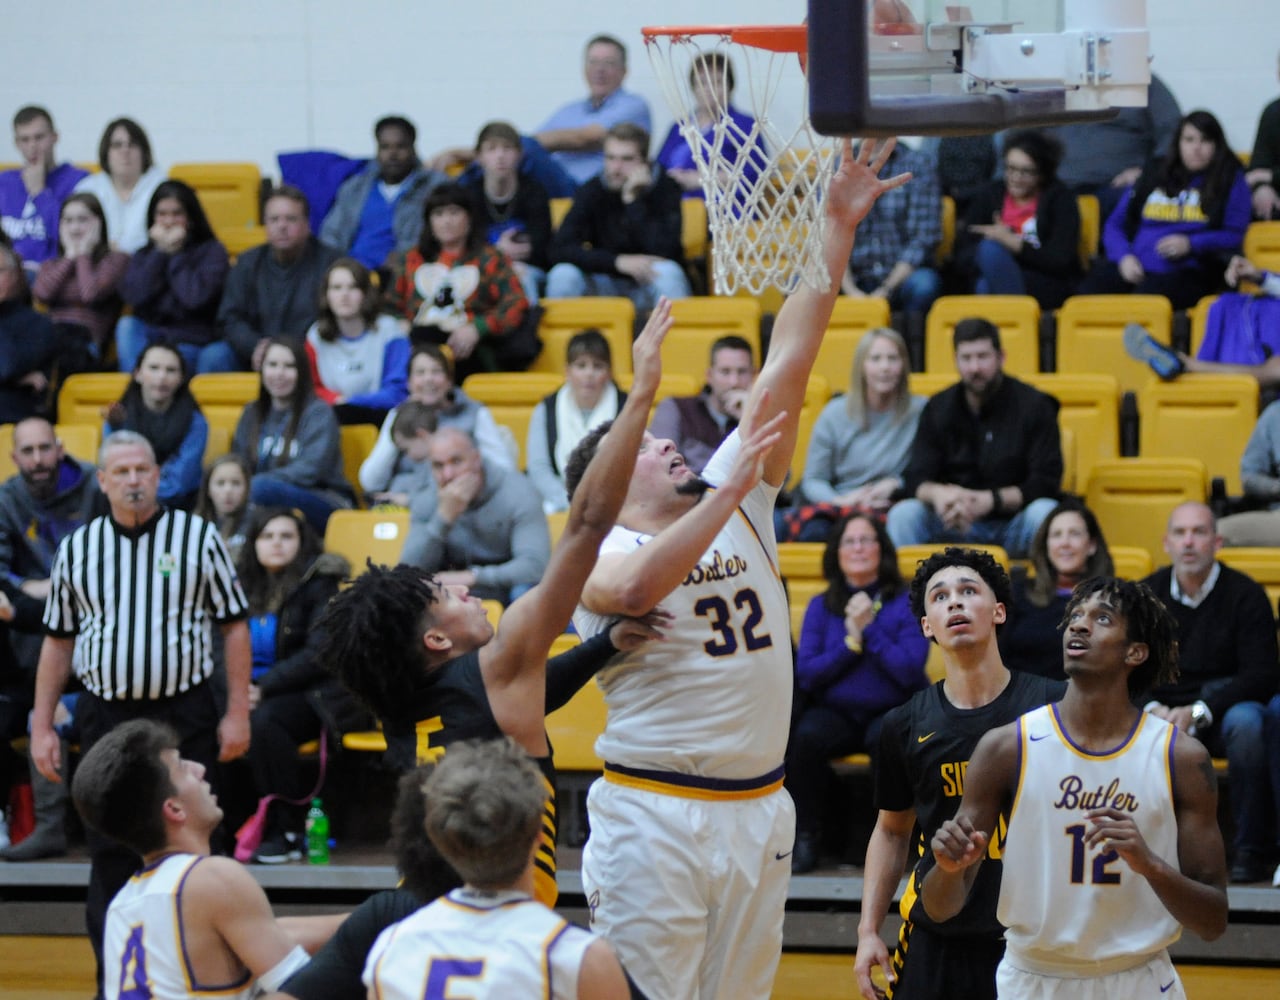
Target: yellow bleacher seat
<point x="816" y="394"/>
<point x="1199" y="314"/>
<point x="217" y="445"/>
<point x="910" y="556"/>
<point x="237" y="241"/>
<point x="800" y="564"/>
<point x="562" y="318"/>
<point x="1017" y="316"/>
<point x="1262" y="564"/>
<point x="573" y="729"/>
<point x="1132" y="497"/>
<point x="1262" y="245"/>
<point x="693" y="228"/>
<point x="701" y="320"/>
<point x="511" y="397"/>
<point x="1088" y="406"/>
<point x="1090" y="329"/>
<point x="359" y="535"/>
<point x="493" y="611"/>
<point x="223" y="423"/>
<point x="78" y="440"/>
<point x="1067" y="442"/>
<point x="357" y="441"/>
<point x="800" y="593"/>
<point x="671" y="384"/>
<point x="930" y="383"/>
<point x="83" y="397"/>
<point x="850" y="320"/>
<point x="1090" y="228"/>
<point x="948" y="244"/>
<point x="1209" y="417"/>
<point x="1130" y="561"/>
<point x="555" y="525"/>
<point x="230" y="195"/>
<point x="559" y="209"/>
<point x="224" y="394"/>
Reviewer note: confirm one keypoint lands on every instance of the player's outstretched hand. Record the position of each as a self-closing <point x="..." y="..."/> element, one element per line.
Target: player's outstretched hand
<point x="958" y="844"/>
<point x="646" y="352"/>
<point x="748" y="468"/>
<point x="1113" y="830"/>
<point x="855" y="187"/>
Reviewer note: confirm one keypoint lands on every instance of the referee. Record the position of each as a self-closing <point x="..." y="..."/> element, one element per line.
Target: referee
<point x="131" y="598"/>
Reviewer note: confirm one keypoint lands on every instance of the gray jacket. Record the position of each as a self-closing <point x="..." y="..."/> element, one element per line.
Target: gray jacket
<point x="340" y="225"/>
<point x="314" y="461"/>
<point x="502" y="537"/>
<point x="30" y="530"/>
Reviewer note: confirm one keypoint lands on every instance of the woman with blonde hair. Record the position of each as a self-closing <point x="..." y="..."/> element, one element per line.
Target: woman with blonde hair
<point x="860" y="442"/>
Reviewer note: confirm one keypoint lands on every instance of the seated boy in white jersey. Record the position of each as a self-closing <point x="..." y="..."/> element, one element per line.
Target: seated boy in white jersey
<point x="1115" y="846"/>
<point x="186" y="923"/>
<point x="688" y="862"/>
<point x="491" y="939"/>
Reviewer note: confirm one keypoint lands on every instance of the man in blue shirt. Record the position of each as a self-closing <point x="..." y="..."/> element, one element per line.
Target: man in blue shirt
<point x="574" y="134"/>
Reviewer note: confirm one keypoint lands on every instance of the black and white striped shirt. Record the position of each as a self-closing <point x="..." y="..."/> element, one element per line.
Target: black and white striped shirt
<point x="140" y="603"/>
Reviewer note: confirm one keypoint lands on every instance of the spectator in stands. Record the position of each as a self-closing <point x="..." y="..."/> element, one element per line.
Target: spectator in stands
<point x="359" y="357"/>
<point x="379" y="210"/>
<point x="389" y="475"/>
<point x="1264" y="164"/>
<point x="125" y="184"/>
<point x="1241" y="337"/>
<point x="291" y="440"/>
<point x="724" y="130"/>
<point x="1260" y="474"/>
<point x="588" y="397"/>
<point x="986" y="463"/>
<point x="51" y="495"/>
<point x="1068" y="548"/>
<point x="861" y="653"/>
<point x="893" y="255"/>
<point x="455" y="289"/>
<point x="31" y="195"/>
<point x="28" y="348"/>
<point x="224" y="500"/>
<point x="158" y="404"/>
<point x="575" y="134"/>
<point x="80" y="287"/>
<point x="1172" y="232"/>
<point x="697" y="424"/>
<point x="483" y="529"/>
<point x="288" y="580"/>
<point x="1228" y="671"/>
<point x="273" y="289"/>
<point x="1021" y="235"/>
<point x="1106" y="158"/>
<point x="516" y="206"/>
<point x="860" y="442"/>
<point x="622" y="235"/>
<point x="174" y="284"/>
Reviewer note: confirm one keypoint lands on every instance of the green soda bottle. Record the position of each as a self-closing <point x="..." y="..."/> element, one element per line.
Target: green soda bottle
<point x="317" y="834"/>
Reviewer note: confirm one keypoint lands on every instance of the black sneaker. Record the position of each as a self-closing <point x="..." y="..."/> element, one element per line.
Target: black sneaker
<point x="279" y="849"/>
<point x="1141" y="346"/>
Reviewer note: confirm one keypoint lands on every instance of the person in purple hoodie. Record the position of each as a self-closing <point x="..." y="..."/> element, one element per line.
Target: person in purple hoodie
<point x="861" y="653"/>
<point x="174" y="285"/>
<point x="31" y="196"/>
<point x="1174" y="231"/>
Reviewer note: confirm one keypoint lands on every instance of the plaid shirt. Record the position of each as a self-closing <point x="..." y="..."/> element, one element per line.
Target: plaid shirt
<point x="905" y="224"/>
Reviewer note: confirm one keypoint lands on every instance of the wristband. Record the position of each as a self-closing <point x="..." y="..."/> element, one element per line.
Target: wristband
<point x="997" y="505"/>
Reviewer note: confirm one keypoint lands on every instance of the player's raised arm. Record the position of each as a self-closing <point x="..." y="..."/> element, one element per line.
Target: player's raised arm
<point x="961" y="843"/>
<point x="529" y="626"/>
<point x="803" y="319"/>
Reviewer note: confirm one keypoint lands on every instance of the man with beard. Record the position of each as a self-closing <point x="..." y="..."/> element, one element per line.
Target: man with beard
<point x="987" y="461"/>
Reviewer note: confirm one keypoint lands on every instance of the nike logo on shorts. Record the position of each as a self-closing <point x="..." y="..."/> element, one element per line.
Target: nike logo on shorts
<point x="921" y="739"/>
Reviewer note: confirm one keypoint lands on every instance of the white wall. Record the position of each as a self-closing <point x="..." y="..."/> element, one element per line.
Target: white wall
<point x="245" y="79"/>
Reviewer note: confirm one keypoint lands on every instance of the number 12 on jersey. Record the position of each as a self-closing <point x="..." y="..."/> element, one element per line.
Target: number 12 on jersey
<point x="1100" y="874"/>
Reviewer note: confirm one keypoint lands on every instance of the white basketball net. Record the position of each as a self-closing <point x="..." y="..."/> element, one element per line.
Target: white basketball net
<point x="763" y="179"/>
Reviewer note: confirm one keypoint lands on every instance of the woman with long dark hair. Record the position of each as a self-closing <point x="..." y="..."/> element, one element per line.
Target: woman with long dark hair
<point x="81" y="286"/>
<point x="158" y="405"/>
<point x="1173" y="233"/>
<point x="861" y="653"/>
<point x="291" y="440"/>
<point x="454" y="288"/>
<point x="174" y="284"/>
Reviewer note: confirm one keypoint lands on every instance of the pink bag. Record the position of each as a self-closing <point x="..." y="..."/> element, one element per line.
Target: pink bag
<point x="249" y="836"/>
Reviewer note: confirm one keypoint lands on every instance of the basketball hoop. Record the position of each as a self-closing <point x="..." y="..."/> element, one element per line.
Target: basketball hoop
<point x="763" y="177"/>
